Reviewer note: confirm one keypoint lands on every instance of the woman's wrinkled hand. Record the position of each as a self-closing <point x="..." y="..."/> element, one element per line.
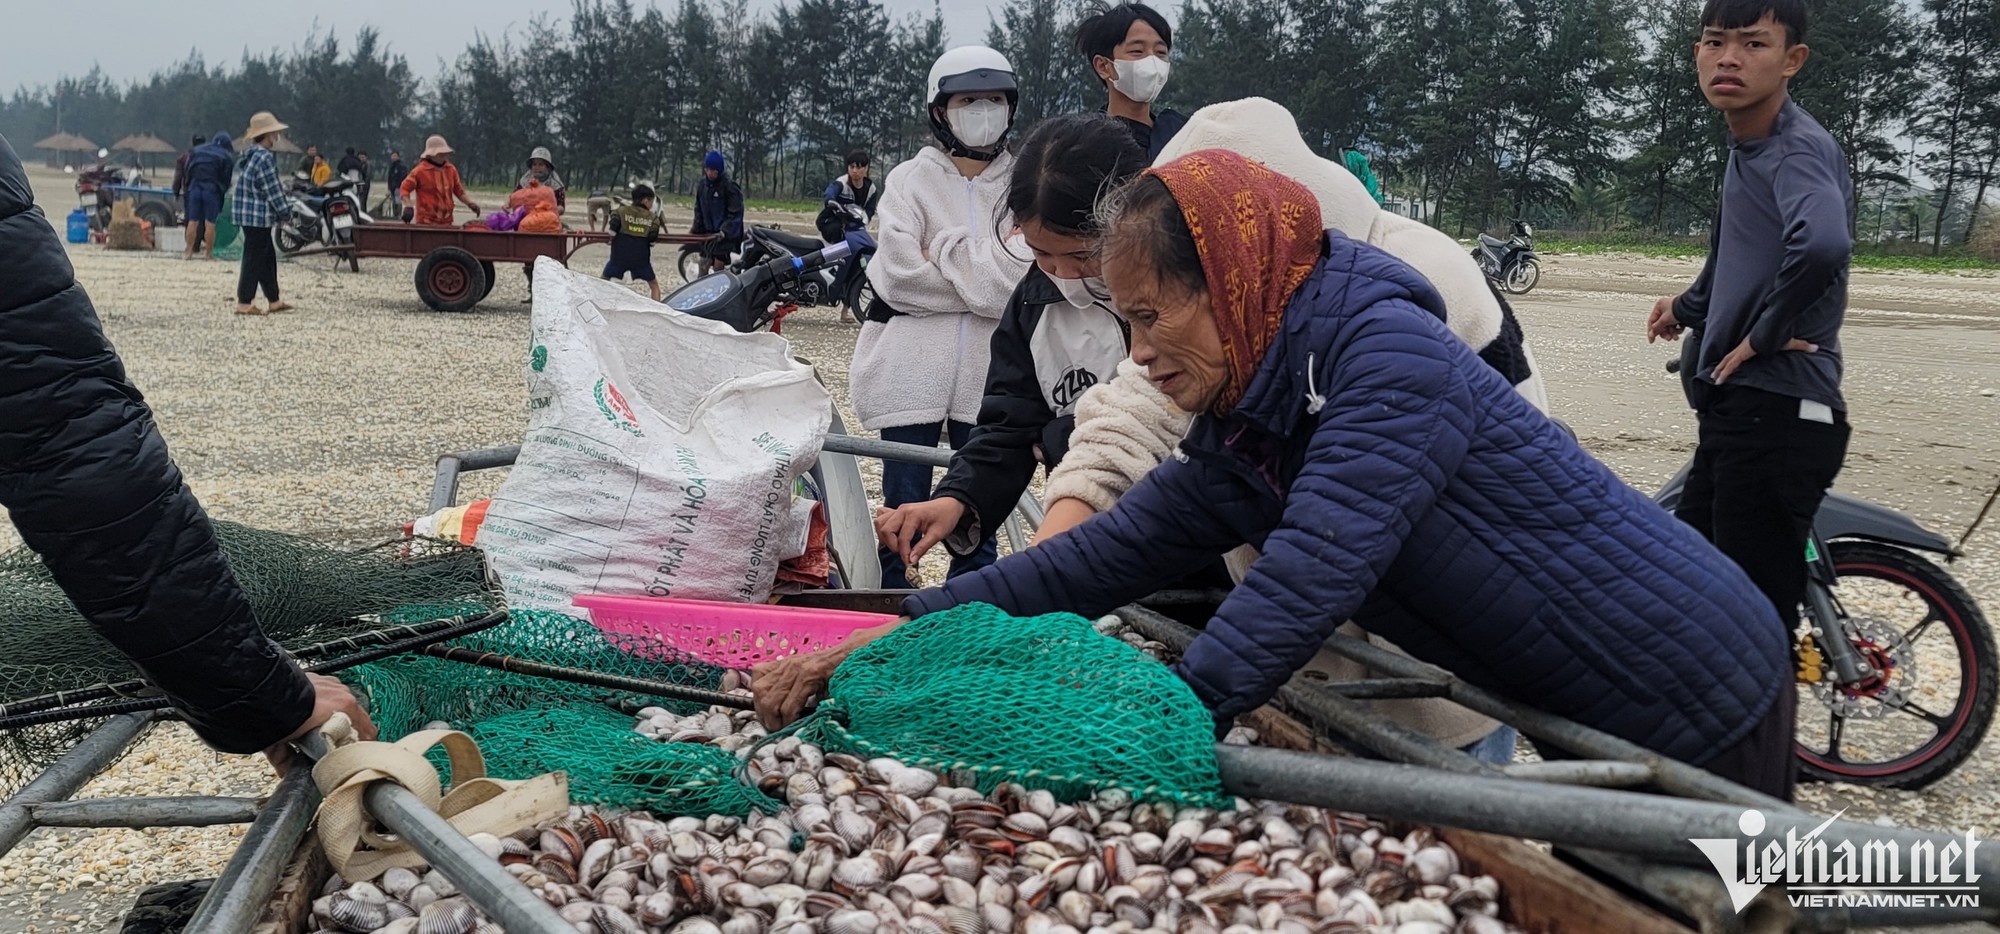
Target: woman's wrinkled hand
<point x="783" y="687"/>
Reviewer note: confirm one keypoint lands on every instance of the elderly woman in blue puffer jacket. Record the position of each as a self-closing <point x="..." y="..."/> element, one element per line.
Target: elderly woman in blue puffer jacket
<point x="1387" y="476"/>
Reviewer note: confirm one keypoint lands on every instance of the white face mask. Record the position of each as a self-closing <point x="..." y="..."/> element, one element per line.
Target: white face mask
<point x="980" y="123"/>
<point x="1084" y="292"/>
<point x="1141" y="79"/>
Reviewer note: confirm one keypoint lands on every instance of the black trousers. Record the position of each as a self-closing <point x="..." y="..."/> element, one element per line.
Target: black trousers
<point x="1760" y="472"/>
<point x="1759" y="475"/>
<point x="260" y="266"/>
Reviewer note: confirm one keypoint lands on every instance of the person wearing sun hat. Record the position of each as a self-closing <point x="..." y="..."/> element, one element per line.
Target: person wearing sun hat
<point x="433" y="185"/>
<point x="259" y="202"/>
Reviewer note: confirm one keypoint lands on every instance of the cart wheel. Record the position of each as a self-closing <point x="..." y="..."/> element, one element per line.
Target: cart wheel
<point x="486" y="266"/>
<point x="158" y="215"/>
<point x="450" y="279"/>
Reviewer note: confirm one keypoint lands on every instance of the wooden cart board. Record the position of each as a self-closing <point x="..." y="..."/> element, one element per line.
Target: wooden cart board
<point x="456" y="265"/>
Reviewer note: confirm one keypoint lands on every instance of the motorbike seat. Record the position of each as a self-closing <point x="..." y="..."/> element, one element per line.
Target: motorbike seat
<point x="796" y="244"/>
<point x="333" y="186"/>
<point x="1494" y="242"/>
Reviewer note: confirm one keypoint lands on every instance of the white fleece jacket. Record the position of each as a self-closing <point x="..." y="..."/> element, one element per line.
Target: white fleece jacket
<point x="941" y="261"/>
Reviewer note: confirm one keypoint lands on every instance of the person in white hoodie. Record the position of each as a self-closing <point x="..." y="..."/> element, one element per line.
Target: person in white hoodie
<point x="943" y="272"/>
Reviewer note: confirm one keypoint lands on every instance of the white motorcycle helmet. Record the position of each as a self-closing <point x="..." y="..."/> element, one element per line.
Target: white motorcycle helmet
<point x="970" y="69"/>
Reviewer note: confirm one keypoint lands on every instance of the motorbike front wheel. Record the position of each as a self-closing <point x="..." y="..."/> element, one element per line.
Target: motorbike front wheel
<point x="693" y="265"/>
<point x="292" y="239"/>
<point x="860" y="294"/>
<point x="1927" y="706"/>
<point x="1523" y="277"/>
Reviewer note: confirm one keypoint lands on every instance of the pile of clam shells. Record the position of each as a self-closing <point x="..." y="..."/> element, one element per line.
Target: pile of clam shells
<point x="878" y="847"/>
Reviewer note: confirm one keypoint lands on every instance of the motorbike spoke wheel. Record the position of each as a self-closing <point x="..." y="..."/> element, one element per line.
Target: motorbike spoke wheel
<point x="1523" y="277"/>
<point x="693" y="265"/>
<point x="1931" y="697"/>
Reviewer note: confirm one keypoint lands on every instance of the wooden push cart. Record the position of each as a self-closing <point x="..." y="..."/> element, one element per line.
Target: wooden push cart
<point x="456" y="265"/>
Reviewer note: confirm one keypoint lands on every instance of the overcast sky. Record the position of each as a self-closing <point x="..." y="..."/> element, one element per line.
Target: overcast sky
<point x="129" y="39"/>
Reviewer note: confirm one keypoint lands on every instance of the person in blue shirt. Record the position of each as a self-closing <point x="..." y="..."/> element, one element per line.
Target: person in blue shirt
<point x="208" y="170"/>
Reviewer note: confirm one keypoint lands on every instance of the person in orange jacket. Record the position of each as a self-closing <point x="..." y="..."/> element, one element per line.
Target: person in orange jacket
<point x="432" y="185"/>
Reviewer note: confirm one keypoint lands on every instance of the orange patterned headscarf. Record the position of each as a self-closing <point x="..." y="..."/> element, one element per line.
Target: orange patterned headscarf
<point x="1259" y="236"/>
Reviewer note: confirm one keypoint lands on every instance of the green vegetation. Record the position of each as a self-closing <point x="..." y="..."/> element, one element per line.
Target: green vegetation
<point x="1872" y="256"/>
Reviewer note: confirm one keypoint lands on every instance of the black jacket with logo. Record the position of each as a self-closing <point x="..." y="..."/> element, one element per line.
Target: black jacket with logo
<point x="1045" y="353"/>
<point x="86" y="478"/>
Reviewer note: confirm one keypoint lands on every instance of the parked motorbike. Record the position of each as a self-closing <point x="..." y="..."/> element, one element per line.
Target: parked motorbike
<point x="1896" y="664"/>
<point x="94" y="183"/>
<point x="319" y="214"/>
<point x="1511" y="264"/>
<point x="818" y="289"/>
<point x="751" y="299"/>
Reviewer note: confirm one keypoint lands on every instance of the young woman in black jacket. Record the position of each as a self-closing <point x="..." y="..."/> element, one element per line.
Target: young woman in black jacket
<point x="1058" y="337"/>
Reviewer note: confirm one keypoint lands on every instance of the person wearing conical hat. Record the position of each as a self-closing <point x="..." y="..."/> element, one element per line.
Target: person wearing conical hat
<point x="434" y="184"/>
<point x="259" y="203"/>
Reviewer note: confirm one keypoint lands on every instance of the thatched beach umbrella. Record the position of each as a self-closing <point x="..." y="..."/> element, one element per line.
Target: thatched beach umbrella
<point x="144" y="143"/>
<point x="64" y="143"/>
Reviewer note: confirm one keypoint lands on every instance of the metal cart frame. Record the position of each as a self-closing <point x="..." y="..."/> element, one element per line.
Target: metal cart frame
<point x="1586" y="807"/>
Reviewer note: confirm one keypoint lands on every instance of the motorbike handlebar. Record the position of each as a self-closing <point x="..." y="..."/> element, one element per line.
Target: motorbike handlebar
<point x="787" y="266"/>
<point x="1674" y="365"/>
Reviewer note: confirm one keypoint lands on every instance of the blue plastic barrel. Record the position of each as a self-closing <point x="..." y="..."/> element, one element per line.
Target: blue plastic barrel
<point x="79" y="226"/>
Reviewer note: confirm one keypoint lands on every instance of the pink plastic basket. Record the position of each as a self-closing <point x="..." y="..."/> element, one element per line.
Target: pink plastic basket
<point x="733" y="635"/>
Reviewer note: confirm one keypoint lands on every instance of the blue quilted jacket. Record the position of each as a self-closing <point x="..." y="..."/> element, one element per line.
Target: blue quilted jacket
<point x="1390" y="477"/>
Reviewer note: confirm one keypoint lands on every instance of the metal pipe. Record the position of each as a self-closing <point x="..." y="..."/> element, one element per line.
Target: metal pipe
<point x="1030" y="510"/>
<point x="1598" y="773"/>
<point x="62" y="778"/>
<point x="241" y="893"/>
<point x="138" y="687"/>
<point x="177" y="811"/>
<point x="1650" y="826"/>
<point x="888" y="450"/>
<point x="329" y="666"/>
<point x="1384" y="688"/>
<point x="592" y="678"/>
<point x="1672" y="776"/>
<point x="1354" y="721"/>
<point x="1350" y="719"/>
<point x="501" y="896"/>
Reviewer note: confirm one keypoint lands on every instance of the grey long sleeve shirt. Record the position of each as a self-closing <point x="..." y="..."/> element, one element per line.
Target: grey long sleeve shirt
<point x="1777" y="262"/>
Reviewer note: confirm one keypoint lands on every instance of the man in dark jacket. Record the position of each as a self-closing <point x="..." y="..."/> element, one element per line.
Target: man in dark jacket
<point x="397" y="172"/>
<point x="718" y="212"/>
<point x="87" y="480"/>
<point x="181" y="165"/>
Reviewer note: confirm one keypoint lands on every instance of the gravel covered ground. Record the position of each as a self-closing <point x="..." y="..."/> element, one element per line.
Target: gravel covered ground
<point x="325" y="421"/>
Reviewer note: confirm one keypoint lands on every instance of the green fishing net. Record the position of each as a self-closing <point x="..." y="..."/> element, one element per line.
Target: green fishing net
<point x="304" y="592"/>
<point x="609" y="764"/>
<point x="527" y="725"/>
<point x="1044" y="701"/>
